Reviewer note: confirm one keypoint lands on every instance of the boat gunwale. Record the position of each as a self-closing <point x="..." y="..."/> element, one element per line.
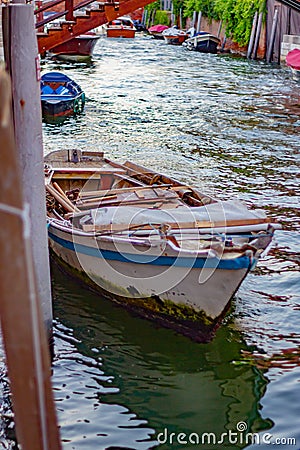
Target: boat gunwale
<point x="241" y="262"/>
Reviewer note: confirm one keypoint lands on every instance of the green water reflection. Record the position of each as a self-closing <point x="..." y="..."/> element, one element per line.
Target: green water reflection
<point x="171" y="382"/>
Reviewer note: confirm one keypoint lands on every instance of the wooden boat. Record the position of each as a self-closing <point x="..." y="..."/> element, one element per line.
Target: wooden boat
<point x="138" y="24"/>
<point x="79" y="49"/>
<point x="157" y="31"/>
<point x="122" y="27"/>
<point x="174" y="36"/>
<point x="152" y="244"/>
<point x="60" y="95"/>
<point x="293" y="62"/>
<point x="203" y="42"/>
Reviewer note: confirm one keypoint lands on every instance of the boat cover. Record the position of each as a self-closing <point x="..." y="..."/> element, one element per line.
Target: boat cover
<point x="173" y="31"/>
<point x="158" y="28"/>
<point x="55" y="77"/>
<point x="63" y="86"/>
<point x="293" y="59"/>
<point x="214" y="212"/>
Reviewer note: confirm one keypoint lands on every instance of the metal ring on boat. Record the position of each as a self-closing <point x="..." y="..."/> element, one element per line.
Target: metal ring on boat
<point x="82" y="100"/>
<point x="76" y="105"/>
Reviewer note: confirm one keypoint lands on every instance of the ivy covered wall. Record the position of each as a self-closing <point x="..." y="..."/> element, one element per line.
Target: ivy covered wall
<point x="236" y="15"/>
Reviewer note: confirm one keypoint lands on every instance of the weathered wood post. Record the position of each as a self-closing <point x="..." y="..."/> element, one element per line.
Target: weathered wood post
<point x="144" y="17"/>
<point x="257" y="37"/>
<point x="26" y="347"/>
<point x="22" y="60"/>
<point x="172" y="15"/>
<point x="194" y="19"/>
<point x="272" y="36"/>
<point x="153" y="17"/>
<point x="252" y="35"/>
<point x="199" y="21"/>
<point x="1" y="37"/>
<point x="219" y="28"/>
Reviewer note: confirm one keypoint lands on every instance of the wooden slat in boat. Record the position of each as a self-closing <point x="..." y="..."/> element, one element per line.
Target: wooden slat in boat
<point x="80" y="170"/>
<point x="174" y="225"/>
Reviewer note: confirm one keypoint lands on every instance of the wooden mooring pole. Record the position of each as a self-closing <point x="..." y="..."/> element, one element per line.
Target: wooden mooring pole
<point x="22" y="61"/>
<point x="257" y="37"/>
<point x="194" y="19"/>
<point x="25" y="342"/>
<point x="199" y="22"/>
<point x="1" y="37"/>
<point x="252" y="35"/>
<point x="272" y="37"/>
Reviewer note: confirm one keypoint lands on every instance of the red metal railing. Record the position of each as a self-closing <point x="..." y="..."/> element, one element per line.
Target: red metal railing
<point x="108" y="10"/>
<point x="69" y="10"/>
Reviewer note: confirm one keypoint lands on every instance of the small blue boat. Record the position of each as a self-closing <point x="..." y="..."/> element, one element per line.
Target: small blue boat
<point x="60" y="95"/>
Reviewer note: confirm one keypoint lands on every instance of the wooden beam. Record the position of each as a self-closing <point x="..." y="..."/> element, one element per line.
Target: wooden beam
<point x="25" y="342"/>
<point x="62" y="199"/>
<point x="198" y="224"/>
<point x="22" y="61"/>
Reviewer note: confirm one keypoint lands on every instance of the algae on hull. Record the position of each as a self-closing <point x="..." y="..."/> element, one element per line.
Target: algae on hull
<point x="179" y="317"/>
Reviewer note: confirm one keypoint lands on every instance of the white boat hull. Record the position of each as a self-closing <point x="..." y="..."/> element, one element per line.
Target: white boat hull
<point x="295" y="74"/>
<point x="185" y="291"/>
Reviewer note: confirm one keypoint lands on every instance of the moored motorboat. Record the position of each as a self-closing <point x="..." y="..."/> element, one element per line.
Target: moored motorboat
<point x="157" y="31"/>
<point x="122" y="27"/>
<point x="60" y="95"/>
<point x="174" y="36"/>
<point x="203" y="42"/>
<point x="79" y="49"/>
<point x="293" y="62"/>
<point x="152" y="244"/>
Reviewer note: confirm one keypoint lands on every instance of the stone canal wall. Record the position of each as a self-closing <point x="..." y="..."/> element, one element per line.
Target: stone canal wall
<point x="289" y="42"/>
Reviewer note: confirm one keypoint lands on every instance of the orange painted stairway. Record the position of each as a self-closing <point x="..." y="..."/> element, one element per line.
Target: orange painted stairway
<point x="76" y="24"/>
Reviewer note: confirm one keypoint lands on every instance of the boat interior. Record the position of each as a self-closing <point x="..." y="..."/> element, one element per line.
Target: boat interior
<point x="88" y="178"/>
<point x="79" y="184"/>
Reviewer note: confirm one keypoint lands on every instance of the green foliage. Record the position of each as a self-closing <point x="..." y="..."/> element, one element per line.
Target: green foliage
<point x="237" y="15"/>
<point x="162" y="18"/>
<point x="177" y="6"/>
<point x="205" y="6"/>
<point x="152" y="6"/>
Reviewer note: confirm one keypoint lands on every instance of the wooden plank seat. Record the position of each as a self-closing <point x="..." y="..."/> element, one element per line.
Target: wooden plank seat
<point x="105" y="174"/>
<point x="130" y="180"/>
<point x="101" y="170"/>
<point x="148" y="196"/>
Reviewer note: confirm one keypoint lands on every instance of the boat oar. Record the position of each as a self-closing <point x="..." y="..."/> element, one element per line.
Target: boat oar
<point x="197" y="224"/>
<point x="59" y="189"/>
<point x="62" y="199"/>
<point x="104" y="192"/>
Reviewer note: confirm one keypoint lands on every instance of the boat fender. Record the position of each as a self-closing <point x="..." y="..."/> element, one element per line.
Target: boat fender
<point x="76" y="105"/>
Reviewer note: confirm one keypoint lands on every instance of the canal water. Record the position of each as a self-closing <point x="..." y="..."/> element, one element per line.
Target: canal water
<point x="231" y="127"/>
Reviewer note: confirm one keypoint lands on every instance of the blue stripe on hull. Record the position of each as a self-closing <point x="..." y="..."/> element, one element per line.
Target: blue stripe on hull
<point x="242" y="262"/>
